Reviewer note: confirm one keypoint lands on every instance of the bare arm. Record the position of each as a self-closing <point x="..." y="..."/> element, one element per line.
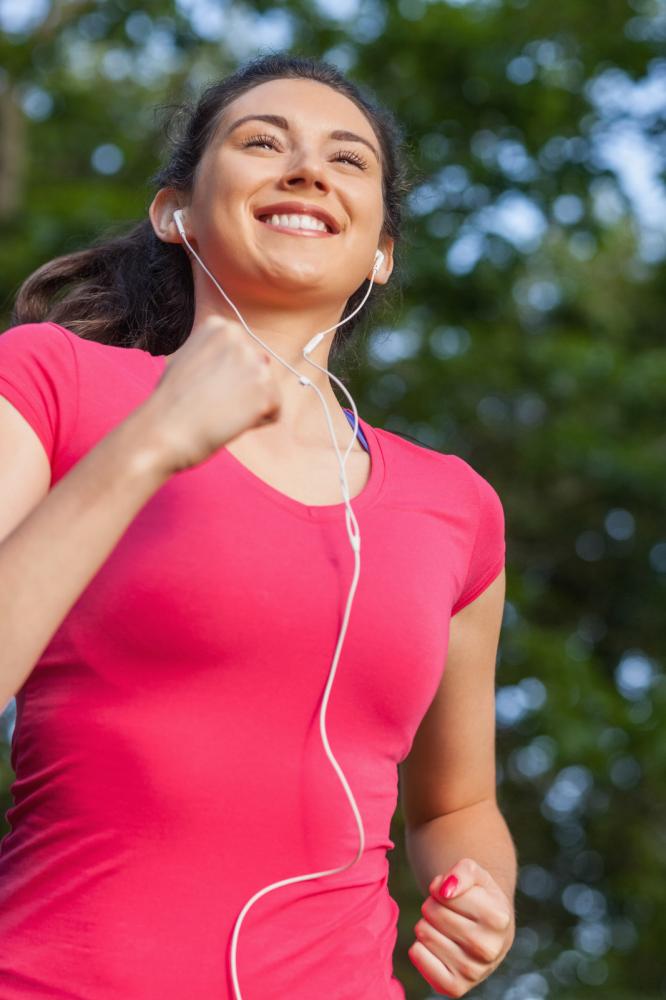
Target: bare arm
<point x="448" y="781"/>
<point x="51" y="555"/>
<point x="477" y="831"/>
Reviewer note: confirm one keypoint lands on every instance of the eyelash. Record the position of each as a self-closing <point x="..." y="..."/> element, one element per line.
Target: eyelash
<point x="342" y="154"/>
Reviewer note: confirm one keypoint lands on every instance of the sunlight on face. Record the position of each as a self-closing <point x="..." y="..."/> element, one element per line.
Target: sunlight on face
<point x="288" y="157"/>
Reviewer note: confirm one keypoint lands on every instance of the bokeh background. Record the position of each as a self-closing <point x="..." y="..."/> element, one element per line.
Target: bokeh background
<point x="528" y="336"/>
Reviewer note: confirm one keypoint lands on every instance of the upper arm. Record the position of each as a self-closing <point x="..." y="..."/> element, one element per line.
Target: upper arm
<point x="39" y="393"/>
<point x="451" y="763"/>
<point x="25" y="472"/>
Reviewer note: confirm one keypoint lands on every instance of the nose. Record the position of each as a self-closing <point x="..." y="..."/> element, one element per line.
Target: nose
<point x="305" y="171"/>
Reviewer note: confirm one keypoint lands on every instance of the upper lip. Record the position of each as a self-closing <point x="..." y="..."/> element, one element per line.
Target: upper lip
<point x="299" y="208"/>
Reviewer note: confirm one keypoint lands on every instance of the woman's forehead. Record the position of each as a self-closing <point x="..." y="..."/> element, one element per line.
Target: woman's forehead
<point x="307" y="101"/>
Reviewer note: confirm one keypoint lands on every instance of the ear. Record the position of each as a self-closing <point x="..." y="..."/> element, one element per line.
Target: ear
<point x="161" y="210"/>
<point x="386" y="245"/>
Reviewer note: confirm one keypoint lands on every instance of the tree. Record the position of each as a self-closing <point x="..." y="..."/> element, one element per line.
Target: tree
<point x="529" y="340"/>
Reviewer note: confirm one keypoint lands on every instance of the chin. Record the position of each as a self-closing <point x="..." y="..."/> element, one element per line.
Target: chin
<point x="297" y="277"/>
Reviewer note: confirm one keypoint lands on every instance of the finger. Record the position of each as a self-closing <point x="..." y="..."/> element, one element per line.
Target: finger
<point x="476" y="905"/>
<point x="460" y="879"/>
<point x="479" y="941"/>
<point x="458" y="960"/>
<point x="431" y="968"/>
<point x="437" y="973"/>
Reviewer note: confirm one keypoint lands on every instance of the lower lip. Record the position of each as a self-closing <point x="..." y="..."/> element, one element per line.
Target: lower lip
<point x="296" y="232"/>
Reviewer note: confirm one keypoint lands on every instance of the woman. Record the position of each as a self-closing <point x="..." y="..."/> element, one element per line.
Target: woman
<point x="176" y="566"/>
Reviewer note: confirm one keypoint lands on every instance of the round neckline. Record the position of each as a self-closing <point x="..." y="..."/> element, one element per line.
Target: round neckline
<point x="368" y="495"/>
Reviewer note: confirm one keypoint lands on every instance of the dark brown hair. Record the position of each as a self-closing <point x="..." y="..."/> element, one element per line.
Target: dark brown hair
<point x="135" y="290"/>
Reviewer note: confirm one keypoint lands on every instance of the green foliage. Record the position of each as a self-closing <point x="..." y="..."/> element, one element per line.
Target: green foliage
<point x="537" y="354"/>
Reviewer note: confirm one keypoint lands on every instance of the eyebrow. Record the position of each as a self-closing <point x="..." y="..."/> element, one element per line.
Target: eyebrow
<point x="281" y="122"/>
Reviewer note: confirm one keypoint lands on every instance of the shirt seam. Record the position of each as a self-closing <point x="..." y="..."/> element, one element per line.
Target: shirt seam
<point x="485" y="582"/>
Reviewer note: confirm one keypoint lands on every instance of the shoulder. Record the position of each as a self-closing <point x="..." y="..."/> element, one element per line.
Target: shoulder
<point x="39" y="349"/>
<point x="446" y="470"/>
<point x="41" y="346"/>
<point x="27" y="335"/>
<point x="50" y="346"/>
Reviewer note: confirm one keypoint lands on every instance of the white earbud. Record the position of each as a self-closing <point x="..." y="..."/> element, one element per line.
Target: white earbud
<point x="178" y="219"/>
<point x="379" y="260"/>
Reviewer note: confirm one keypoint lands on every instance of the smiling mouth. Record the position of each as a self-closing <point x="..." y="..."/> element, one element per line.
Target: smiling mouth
<point x="294" y="225"/>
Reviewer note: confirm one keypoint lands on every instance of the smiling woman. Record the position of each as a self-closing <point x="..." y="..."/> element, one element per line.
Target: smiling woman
<point x="137" y="290"/>
<point x="172" y="548"/>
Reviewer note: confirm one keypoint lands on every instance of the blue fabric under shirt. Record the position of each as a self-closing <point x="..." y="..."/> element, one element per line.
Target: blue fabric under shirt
<point x="359" y="434"/>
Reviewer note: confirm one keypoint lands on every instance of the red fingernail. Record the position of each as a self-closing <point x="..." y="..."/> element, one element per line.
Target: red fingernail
<point x="448" y="887"/>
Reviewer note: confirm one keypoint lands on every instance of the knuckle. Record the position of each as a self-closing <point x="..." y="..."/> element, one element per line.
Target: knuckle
<point x="486" y="951"/>
<point x="422" y="928"/>
<point x="220" y="332"/>
<point x="233" y="349"/>
<point x="233" y="330"/>
<point x="258" y="368"/>
<point x="501" y="920"/>
<point x="234" y="335"/>
<point x="467" y="969"/>
<point x="248" y="350"/>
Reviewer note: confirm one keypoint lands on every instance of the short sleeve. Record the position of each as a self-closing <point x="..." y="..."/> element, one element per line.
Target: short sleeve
<point x="38" y="375"/>
<point x="489" y="549"/>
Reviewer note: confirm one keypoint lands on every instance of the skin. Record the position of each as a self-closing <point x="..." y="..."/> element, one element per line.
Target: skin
<point x="452" y="821"/>
<point x="286" y="286"/>
<point x="289" y="287"/>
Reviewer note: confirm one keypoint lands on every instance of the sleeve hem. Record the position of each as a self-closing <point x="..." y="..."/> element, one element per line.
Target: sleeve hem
<point x="480" y="587"/>
<point x="14" y="396"/>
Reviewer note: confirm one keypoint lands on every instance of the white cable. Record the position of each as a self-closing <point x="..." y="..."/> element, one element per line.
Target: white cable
<point x="355" y="541"/>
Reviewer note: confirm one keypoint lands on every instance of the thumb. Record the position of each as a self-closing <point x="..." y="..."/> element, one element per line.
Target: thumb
<point x="446" y="886"/>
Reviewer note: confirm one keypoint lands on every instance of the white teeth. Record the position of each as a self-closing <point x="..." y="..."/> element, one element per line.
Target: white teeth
<point x="298" y="222"/>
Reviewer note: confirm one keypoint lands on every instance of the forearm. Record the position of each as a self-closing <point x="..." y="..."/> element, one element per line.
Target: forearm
<point x="479" y="832"/>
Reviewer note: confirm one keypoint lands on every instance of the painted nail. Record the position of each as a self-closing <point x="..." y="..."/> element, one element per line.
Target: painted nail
<point x="448" y="887"/>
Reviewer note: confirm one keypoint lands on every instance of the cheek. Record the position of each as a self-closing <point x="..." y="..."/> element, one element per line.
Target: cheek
<point x="369" y="211"/>
<point x="226" y="185"/>
<point x="218" y="198"/>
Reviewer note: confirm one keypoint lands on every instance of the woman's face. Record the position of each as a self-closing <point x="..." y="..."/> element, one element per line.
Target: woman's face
<point x="318" y="156"/>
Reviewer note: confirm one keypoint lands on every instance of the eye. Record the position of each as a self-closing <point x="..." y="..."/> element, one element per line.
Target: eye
<point x="352" y="157"/>
<point x="261" y="140"/>
<point x="343" y="156"/>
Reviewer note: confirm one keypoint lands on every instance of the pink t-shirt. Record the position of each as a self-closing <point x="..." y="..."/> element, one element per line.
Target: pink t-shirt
<point x="167" y="749"/>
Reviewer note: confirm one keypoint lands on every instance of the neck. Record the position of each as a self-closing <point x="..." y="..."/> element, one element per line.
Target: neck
<point x="287" y="332"/>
